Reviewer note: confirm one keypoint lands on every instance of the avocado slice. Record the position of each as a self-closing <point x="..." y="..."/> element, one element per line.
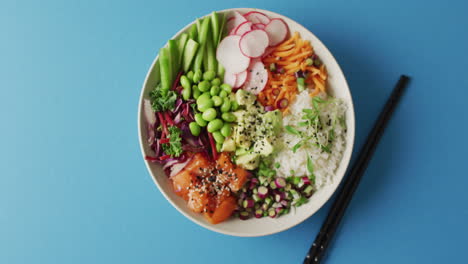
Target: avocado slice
<point x="248" y="161"/>
<point x="244" y="98"/>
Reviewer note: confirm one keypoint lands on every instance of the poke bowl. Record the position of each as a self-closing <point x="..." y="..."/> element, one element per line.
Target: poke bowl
<point x="246" y="122"/>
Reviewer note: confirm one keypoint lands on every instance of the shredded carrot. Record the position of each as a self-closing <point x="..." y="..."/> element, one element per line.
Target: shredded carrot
<point x="290" y="57"/>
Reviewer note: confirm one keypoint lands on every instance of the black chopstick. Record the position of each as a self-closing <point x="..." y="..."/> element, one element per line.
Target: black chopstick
<point x="317" y="251"/>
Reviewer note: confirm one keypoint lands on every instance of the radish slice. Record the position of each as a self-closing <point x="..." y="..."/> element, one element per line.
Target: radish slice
<point x="258" y="26"/>
<point x="257" y="77"/>
<point x="235" y="21"/>
<point x="230" y="78"/>
<point x="240" y="79"/>
<point x="243" y="28"/>
<point x="254" y="43"/>
<point x="257" y="17"/>
<point x="230" y="56"/>
<point x="277" y="31"/>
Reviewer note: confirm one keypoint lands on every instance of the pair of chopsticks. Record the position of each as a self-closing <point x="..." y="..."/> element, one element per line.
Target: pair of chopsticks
<point x="322" y="241"/>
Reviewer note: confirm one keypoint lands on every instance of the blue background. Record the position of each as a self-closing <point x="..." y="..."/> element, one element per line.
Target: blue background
<point x="73" y="185"/>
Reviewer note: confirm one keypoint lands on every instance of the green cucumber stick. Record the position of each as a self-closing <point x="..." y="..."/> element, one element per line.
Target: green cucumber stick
<point x="204" y="30"/>
<point x="198" y="23"/>
<point x="222" y="28"/>
<point x="193" y="32"/>
<point x="174" y="57"/>
<point x="211" y="52"/>
<point x="189" y="54"/>
<point x="166" y="69"/>
<point x="197" y="63"/>
<point x="215" y="26"/>
<point x="181" y="42"/>
<point x="205" y="57"/>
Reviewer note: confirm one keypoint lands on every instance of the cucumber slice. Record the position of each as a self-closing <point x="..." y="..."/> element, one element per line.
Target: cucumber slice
<point x="174" y="57"/>
<point x="193" y="32"/>
<point x="215" y="27"/>
<point x="211" y="56"/>
<point x="181" y="45"/>
<point x="189" y="53"/>
<point x="166" y="69"/>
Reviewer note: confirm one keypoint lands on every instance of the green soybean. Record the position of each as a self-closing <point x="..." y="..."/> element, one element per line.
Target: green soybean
<point x="209" y="114"/>
<point x="204" y="86"/>
<point x="194" y="128"/>
<point x="185" y="82"/>
<point x="219" y="146"/>
<point x="209" y="75"/>
<point x="200" y="121"/>
<point x="226" y="130"/>
<point x="234" y="105"/>
<point x="226" y="87"/>
<point x="214" y="90"/>
<point x="197" y="76"/>
<point x="216" y="81"/>
<point x="186" y="93"/>
<point x="196" y="92"/>
<point x="214" y="125"/>
<point x="190" y="75"/>
<point x="204" y="102"/>
<point x="226" y="106"/>
<point x="228" y="117"/>
<point x="218" y="137"/>
<point x="223" y="94"/>
<point x="217" y="100"/>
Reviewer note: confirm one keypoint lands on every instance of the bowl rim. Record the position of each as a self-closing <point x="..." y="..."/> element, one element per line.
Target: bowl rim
<point x="345" y="160"/>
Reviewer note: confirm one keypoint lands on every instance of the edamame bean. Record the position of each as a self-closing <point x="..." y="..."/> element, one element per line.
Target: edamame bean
<point x="226" y="130"/>
<point x="228" y="117"/>
<point x="209" y="75"/>
<point x="190" y="75"/>
<point x="226" y="106"/>
<point x="204" y="86"/>
<point x="214" y="90"/>
<point x="219" y="146"/>
<point x="217" y="100"/>
<point x="204" y="105"/>
<point x="209" y="114"/>
<point x="234" y="105"/>
<point x="200" y="121"/>
<point x="214" y="125"/>
<point x="197" y="76"/>
<point x="185" y="82"/>
<point x="216" y="81"/>
<point x="196" y="92"/>
<point x="218" y="137"/>
<point x="223" y="94"/>
<point x="186" y="93"/>
<point x="226" y="87"/>
<point x="194" y="128"/>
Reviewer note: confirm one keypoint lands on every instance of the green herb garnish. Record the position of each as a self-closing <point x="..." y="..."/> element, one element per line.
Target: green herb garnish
<point x="162" y="100"/>
<point x="174" y="147"/>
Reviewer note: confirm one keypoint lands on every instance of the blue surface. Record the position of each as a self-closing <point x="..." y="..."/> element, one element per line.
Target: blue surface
<point x="74" y="188"/>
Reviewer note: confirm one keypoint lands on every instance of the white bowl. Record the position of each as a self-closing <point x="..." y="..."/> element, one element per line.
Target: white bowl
<point x="336" y="84"/>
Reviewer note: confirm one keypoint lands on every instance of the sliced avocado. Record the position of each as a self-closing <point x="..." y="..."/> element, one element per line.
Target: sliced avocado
<point x="274" y="119"/>
<point x="228" y="145"/>
<point x="240" y="115"/>
<point x="242" y="138"/>
<point x="263" y="147"/>
<point x="241" y="151"/>
<point x="244" y="98"/>
<point x="248" y="161"/>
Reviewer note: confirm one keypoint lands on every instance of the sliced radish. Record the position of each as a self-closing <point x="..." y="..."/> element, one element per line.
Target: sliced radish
<point x="232" y="32"/>
<point x="230" y="56"/>
<point x="230" y="78"/>
<point x="258" y="26"/>
<point x="257" y="77"/>
<point x="240" y="79"/>
<point x="277" y="31"/>
<point x="254" y="43"/>
<point x="235" y="21"/>
<point x="257" y="17"/>
<point x="243" y="28"/>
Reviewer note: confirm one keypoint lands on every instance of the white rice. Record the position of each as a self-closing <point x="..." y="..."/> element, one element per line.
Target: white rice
<point x="324" y="163"/>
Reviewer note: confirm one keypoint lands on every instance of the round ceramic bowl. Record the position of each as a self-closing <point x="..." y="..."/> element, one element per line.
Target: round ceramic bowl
<point x="336" y="85"/>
